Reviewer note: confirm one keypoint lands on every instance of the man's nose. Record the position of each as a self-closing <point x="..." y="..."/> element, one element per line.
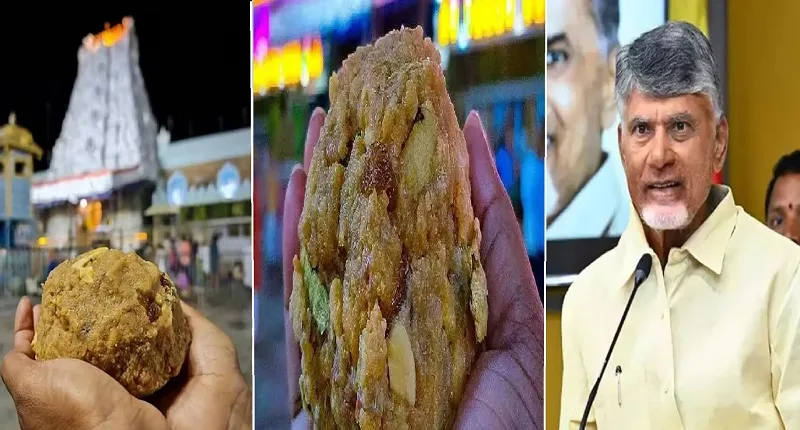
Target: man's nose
<point x="660" y="154"/>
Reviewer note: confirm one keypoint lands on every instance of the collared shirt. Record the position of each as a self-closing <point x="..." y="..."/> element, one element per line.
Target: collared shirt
<point x="712" y="341"/>
<point x="601" y="197"/>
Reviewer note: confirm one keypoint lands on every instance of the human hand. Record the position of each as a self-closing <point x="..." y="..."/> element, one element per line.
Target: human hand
<point x="210" y="391"/>
<point x="505" y="388"/>
<point x="507" y="377"/>
<point x="67" y="393"/>
<point x="293" y="207"/>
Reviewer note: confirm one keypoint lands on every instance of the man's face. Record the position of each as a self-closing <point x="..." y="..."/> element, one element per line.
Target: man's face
<point x="783" y="214"/>
<point x="580" y="99"/>
<point x="670" y="149"/>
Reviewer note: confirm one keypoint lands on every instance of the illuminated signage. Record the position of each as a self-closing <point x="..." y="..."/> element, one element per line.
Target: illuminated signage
<point x="296" y="62"/>
<point x="293" y="20"/>
<point x="460" y="21"/>
<point x="177" y="188"/>
<point x="72" y="189"/>
<point x="260" y="30"/>
<point x="228" y="180"/>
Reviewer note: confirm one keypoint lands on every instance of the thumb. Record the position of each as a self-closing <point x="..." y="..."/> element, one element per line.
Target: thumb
<point x="510" y="282"/>
<point x="487" y="189"/>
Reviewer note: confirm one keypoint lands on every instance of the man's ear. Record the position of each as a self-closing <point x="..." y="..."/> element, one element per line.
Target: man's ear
<point x="720" y="143"/>
<point x="609" y="114"/>
<point x="619" y="141"/>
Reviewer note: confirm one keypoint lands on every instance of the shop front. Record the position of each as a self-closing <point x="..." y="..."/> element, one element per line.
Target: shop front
<point x="203" y="196"/>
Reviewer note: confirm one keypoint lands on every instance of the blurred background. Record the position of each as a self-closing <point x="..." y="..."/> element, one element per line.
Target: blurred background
<point x="127" y="126"/>
<point x="492" y="54"/>
<point x="757" y="94"/>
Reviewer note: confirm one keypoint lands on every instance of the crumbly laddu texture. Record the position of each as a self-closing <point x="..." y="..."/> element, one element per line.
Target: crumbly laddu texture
<point x="389" y="300"/>
<point x="117" y="312"/>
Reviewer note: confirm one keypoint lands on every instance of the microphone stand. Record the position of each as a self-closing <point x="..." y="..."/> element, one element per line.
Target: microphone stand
<point x="639" y="277"/>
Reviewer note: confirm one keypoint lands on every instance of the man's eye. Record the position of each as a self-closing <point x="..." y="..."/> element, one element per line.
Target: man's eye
<point x="640" y="129"/>
<point x="556" y="56"/>
<point x="681" y="126"/>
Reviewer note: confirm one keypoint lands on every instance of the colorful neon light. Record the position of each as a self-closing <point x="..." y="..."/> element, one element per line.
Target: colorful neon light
<point x="296" y="62"/>
<point x="261" y="17"/>
<point x="462" y="20"/>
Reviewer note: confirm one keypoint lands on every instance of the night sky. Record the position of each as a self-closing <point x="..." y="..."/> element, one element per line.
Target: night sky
<point x="195" y="62"/>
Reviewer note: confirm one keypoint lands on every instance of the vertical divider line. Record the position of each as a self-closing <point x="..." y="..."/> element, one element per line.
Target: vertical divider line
<point x="252" y="235"/>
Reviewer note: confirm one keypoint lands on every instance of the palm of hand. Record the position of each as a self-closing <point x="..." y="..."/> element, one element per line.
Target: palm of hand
<point x="69" y="393"/>
<point x="505" y="386"/>
<point x="66" y="393"/>
<point x="210" y="387"/>
<point x="194" y="401"/>
<point x="80" y="386"/>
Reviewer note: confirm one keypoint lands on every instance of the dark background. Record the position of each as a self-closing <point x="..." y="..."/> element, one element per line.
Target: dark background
<point x="195" y="61"/>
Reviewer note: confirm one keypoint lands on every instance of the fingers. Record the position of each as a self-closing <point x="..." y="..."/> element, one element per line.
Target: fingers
<point x="312" y="137"/>
<point x="292" y="365"/>
<point x="512" y="289"/>
<point x="37" y="310"/>
<point x="23" y="320"/>
<point x="487" y="189"/>
<point x="489" y="199"/>
<point x="23" y="327"/>
<point x="211" y="350"/>
<point x="69" y="393"/>
<point x="293" y="206"/>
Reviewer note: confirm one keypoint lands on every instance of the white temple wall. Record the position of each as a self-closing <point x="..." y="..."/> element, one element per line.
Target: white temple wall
<point x="109" y="122"/>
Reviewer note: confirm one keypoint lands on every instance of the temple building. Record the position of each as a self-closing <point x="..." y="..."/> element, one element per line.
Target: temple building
<point x="104" y="164"/>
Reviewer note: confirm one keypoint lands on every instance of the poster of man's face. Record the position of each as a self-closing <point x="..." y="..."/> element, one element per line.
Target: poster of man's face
<point x="584" y="173"/>
<point x="580" y="97"/>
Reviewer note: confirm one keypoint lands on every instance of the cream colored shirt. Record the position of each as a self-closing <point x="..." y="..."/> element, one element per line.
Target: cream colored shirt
<point x="712" y="341"/>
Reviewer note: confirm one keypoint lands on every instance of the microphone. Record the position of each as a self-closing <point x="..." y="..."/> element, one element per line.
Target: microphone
<point x="639" y="275"/>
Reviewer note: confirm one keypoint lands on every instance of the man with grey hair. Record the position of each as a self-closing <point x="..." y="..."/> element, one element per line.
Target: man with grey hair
<point x="712" y="337"/>
<point x="580" y="176"/>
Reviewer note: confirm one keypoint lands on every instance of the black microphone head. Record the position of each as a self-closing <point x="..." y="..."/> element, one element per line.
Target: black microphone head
<point x="642" y="269"/>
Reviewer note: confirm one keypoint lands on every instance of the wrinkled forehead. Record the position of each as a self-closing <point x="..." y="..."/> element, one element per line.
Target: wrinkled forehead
<point x="657" y="109"/>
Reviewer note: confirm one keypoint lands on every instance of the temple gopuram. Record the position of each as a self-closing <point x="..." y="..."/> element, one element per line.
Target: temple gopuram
<point x="104" y="163"/>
